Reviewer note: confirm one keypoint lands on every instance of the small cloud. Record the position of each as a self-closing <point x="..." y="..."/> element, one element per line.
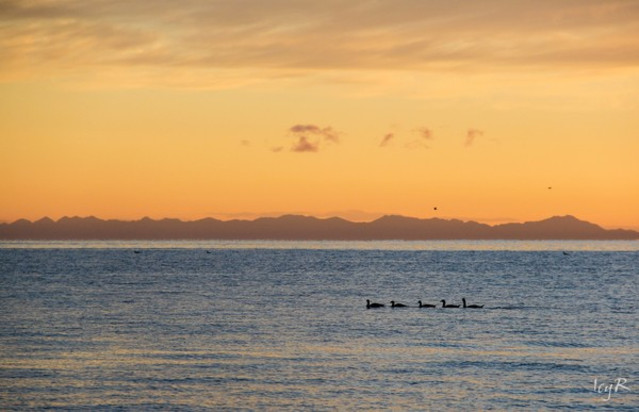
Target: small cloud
<point x="425" y="133"/>
<point x="277" y="149"/>
<point x="245" y="143"/>
<point x="309" y="137"/>
<point x="387" y="138"/>
<point x="471" y="135"/>
<point x="304" y="145"/>
<point x="328" y="133"/>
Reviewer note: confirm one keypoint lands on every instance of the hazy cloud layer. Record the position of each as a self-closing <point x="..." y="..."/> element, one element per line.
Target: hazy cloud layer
<point x="172" y="41"/>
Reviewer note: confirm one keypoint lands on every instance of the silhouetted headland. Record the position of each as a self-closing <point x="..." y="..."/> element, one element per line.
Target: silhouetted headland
<point x="295" y="227"/>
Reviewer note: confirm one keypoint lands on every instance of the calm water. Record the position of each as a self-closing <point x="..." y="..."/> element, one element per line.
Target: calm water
<point x="277" y="325"/>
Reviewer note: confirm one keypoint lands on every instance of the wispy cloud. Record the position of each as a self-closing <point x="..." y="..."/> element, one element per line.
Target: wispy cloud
<point x="52" y="38"/>
<point x="304" y="145"/>
<point x="386" y="139"/>
<point x="425" y="132"/>
<point x="328" y="133"/>
<point x="471" y="135"/>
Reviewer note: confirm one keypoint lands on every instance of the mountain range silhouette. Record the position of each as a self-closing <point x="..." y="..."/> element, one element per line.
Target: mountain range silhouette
<point x="297" y="227"/>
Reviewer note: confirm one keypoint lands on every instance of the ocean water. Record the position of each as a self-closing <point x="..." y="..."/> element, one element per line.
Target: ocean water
<point x="284" y="326"/>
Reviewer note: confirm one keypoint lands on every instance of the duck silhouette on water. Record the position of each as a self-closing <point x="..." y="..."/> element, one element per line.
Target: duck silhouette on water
<point x="421" y="305"/>
<point x="444" y="305"/>
<point x="373" y="305"/>
<point x="397" y="305"/>
<point x="471" y="306"/>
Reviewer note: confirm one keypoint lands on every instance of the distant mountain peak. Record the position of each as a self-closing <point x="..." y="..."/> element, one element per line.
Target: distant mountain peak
<point x="396" y="218"/>
<point x="45" y="220"/>
<point x="564" y="218"/>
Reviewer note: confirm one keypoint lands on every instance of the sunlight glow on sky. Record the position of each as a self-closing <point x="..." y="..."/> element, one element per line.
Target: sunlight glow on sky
<point x="488" y="110"/>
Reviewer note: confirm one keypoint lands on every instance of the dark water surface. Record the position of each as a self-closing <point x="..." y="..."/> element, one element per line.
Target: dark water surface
<point x="276" y="325"/>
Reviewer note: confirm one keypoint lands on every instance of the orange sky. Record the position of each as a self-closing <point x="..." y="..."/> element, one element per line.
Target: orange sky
<point x="355" y="108"/>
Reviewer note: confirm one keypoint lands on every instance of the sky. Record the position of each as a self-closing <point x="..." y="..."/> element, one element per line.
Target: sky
<point x="490" y="110"/>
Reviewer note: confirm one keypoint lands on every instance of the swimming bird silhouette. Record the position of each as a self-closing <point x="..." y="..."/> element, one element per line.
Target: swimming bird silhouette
<point x="444" y="305"/>
<point x="397" y="305"/>
<point x="425" y="306"/>
<point x="471" y="306"/>
<point x="373" y="305"/>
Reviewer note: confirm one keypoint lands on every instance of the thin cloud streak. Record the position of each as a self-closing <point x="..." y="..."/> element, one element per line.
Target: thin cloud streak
<point x="387" y="139"/>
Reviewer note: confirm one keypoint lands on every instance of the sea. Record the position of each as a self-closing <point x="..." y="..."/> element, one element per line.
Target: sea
<point x="265" y="325"/>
